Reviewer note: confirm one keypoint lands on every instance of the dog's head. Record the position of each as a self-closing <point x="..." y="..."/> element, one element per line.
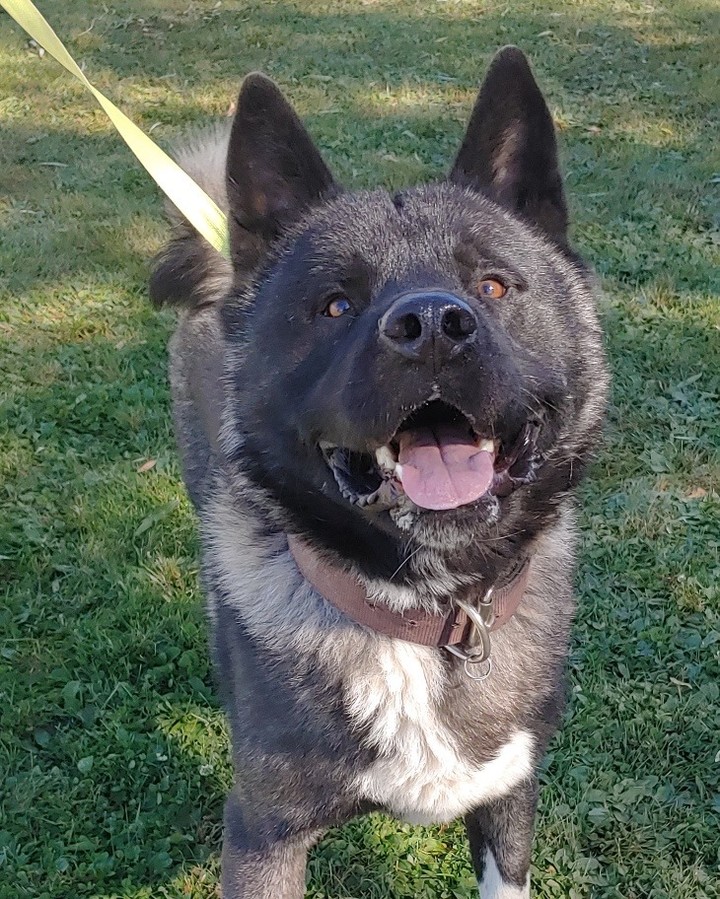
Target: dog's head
<point x="418" y="368"/>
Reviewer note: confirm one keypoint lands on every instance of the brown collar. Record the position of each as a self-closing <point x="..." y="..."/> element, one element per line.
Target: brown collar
<point x="464" y="630"/>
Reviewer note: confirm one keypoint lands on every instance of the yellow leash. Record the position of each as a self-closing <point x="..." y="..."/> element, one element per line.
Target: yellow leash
<point x="197" y="207"/>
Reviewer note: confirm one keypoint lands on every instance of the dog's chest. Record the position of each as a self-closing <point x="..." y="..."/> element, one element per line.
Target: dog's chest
<point x="420" y="773"/>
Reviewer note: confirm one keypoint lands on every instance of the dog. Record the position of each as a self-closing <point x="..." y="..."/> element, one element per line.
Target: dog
<point x="384" y="403"/>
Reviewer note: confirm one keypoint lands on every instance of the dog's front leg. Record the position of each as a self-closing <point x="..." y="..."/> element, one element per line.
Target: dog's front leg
<point x="275" y="870"/>
<point x="500" y="836"/>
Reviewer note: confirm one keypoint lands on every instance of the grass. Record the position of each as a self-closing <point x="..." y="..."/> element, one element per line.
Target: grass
<point x="112" y="747"/>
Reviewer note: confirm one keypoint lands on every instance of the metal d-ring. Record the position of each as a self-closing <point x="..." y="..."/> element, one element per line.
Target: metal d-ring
<point x="482" y="674"/>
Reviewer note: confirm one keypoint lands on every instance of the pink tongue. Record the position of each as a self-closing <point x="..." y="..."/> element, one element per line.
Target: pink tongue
<point x="442" y="468"/>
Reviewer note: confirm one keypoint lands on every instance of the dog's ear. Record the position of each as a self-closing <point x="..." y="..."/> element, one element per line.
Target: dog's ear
<point x="274" y="171"/>
<point x="509" y="150"/>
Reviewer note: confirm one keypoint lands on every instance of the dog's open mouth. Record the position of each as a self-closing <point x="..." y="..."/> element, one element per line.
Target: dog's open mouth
<point x="437" y="460"/>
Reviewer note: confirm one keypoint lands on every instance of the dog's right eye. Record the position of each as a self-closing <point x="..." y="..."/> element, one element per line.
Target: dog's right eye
<point x="337" y="307"/>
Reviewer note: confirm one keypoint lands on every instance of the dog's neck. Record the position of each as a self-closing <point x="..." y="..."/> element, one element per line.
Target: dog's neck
<point x="342" y="589"/>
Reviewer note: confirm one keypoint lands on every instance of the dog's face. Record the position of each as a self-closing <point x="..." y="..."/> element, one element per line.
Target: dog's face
<point x="424" y="366"/>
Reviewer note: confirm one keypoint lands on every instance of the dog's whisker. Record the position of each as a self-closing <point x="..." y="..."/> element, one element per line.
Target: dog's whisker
<point x="404" y="562"/>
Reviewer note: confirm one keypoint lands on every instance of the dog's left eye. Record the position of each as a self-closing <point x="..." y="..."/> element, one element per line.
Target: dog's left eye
<point x="337" y="307"/>
<point x="492" y="289"/>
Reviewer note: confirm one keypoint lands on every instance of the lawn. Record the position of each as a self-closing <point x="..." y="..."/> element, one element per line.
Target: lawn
<point x="113" y="750"/>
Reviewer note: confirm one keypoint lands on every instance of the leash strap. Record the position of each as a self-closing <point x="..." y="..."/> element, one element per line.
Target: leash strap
<point x="197" y="207"/>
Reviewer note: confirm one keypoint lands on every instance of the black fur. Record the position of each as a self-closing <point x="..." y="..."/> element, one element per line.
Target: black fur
<point x="280" y="372"/>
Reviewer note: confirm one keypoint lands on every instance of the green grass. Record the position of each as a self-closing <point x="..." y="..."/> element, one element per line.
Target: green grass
<point x="113" y="751"/>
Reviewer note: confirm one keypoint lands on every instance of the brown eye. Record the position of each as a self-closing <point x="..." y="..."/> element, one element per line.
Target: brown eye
<point x="492" y="289"/>
<point x="337" y="307"/>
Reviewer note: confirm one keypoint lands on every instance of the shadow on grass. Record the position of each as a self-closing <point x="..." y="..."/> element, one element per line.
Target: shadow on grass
<point x="101" y="217"/>
<point x="623" y="131"/>
<point x="393" y="43"/>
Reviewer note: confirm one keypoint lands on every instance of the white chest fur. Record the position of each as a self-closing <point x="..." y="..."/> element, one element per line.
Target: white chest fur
<point x="419" y="773"/>
<point x="392" y="689"/>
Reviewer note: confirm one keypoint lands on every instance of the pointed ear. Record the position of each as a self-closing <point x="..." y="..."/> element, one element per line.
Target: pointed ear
<point x="274" y="170"/>
<point x="509" y="151"/>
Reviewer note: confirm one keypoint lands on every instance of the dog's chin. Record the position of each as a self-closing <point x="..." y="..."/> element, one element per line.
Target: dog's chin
<point x="436" y="477"/>
<point x="449" y="530"/>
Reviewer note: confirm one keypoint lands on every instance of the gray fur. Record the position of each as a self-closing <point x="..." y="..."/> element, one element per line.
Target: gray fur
<point x="204" y="274"/>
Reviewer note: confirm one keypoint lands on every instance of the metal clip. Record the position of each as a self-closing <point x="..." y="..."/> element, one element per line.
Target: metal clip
<point x="476" y="650"/>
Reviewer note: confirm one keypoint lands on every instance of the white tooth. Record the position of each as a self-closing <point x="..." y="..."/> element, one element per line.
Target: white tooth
<point x="398" y="471"/>
<point x="385" y="458"/>
<point x="486" y="446"/>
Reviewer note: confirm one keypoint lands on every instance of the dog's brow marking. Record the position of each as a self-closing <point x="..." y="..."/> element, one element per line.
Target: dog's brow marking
<point x="492" y="885"/>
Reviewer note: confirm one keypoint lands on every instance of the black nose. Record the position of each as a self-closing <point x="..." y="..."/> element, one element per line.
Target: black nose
<point x="428" y="323"/>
